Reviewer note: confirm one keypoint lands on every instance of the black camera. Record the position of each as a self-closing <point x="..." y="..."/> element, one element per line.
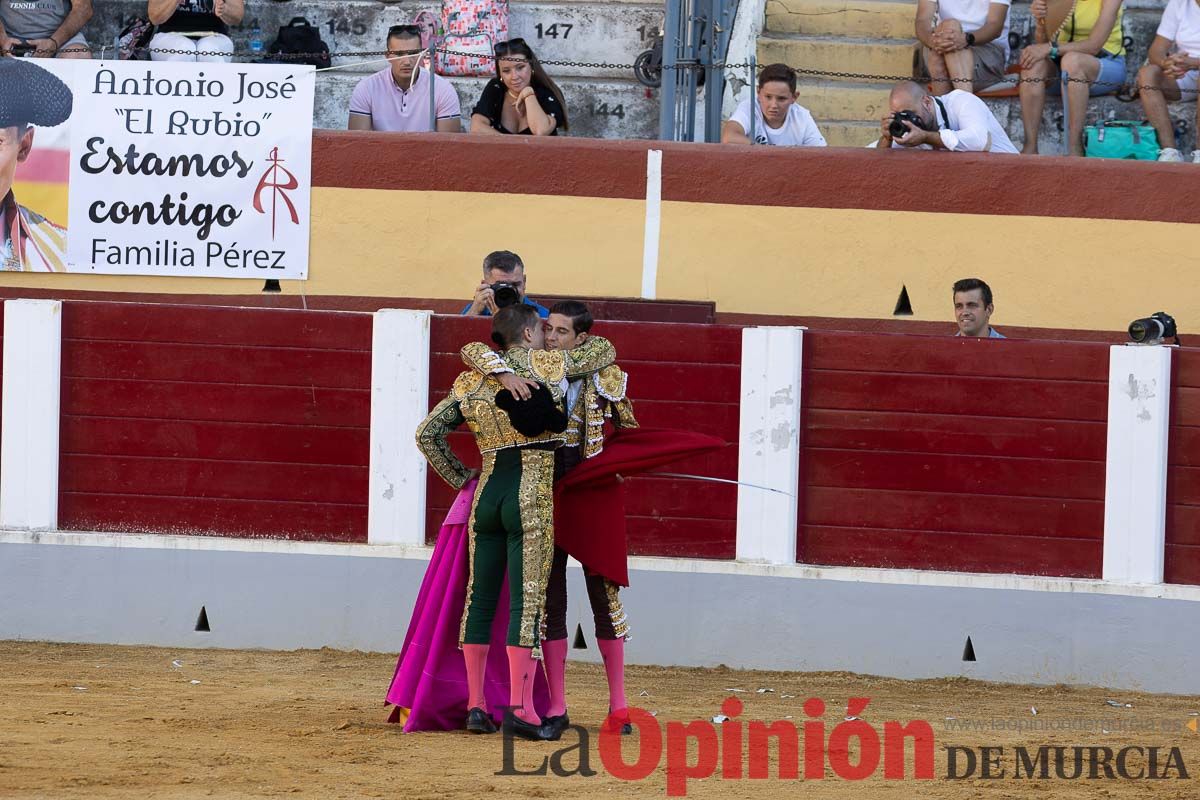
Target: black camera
<point x="23" y="48"/>
<point x="898" y="129"/>
<point x="1159" y="325"/>
<point x="505" y="294"/>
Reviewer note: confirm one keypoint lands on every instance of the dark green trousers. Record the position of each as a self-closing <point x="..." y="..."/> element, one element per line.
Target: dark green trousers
<point x="511" y="530"/>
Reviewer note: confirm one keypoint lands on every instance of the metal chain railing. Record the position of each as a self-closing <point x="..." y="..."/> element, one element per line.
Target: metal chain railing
<point x="1124" y="90"/>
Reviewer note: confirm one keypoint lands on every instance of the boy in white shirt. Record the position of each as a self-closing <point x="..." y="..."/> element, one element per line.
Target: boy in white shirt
<point x="1168" y="77"/>
<point x="778" y="119"/>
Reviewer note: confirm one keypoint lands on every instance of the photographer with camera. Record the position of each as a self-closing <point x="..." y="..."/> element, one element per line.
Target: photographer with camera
<point x="503" y="285"/>
<point x="44" y="29"/>
<point x="955" y="121"/>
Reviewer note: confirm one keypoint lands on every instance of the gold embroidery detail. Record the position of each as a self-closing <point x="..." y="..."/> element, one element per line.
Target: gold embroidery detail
<point x="485" y="473"/>
<point x="431" y="441"/>
<point x="535" y="498"/>
<point x="491" y="426"/>
<point x="616" y="611"/>
<point x="466" y="384"/>
<point x="548" y="365"/>
<point x="611" y="382"/>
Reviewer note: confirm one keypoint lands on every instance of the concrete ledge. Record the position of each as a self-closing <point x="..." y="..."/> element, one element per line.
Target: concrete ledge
<point x="78" y="587"/>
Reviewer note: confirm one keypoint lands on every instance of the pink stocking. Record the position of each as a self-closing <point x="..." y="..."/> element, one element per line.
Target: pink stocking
<point x="554" y="654"/>
<point x="613" y="651"/>
<point x="476" y="657"/>
<point x="521" y="667"/>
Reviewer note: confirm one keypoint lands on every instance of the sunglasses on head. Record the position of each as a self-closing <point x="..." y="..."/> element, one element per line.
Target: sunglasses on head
<point x="404" y="30"/>
<point x="509" y="45"/>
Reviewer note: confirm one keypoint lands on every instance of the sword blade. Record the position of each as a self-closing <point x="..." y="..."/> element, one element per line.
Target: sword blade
<point x="717" y="480"/>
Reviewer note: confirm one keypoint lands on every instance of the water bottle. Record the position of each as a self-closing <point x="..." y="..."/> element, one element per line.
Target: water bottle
<point x="256" y="41"/>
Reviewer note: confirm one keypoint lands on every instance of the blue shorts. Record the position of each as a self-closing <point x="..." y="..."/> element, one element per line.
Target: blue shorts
<point x="1112" y="77"/>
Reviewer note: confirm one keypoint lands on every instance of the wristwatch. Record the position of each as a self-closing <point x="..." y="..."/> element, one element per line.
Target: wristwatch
<point x="970" y="40"/>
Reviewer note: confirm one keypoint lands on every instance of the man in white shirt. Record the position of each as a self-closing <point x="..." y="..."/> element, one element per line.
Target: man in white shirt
<point x="955" y="121"/>
<point x="964" y="43"/>
<point x="1169" y="77"/>
<point x="778" y="119"/>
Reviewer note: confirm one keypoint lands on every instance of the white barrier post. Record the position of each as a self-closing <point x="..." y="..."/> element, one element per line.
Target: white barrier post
<point x="1135" y="481"/>
<point x="399" y="401"/>
<point x="769" y="438"/>
<point x="30" y="405"/>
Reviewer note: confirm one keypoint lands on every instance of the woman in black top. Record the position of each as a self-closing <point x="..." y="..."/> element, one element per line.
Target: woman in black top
<point x="521" y="98"/>
<point x="187" y="28"/>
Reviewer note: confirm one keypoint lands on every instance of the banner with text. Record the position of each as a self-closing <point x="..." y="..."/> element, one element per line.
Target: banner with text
<point x="179" y="169"/>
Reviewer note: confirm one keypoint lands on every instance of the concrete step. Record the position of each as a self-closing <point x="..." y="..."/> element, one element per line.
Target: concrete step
<point x="885" y="19"/>
<point x="848" y="133"/>
<point x="836" y="54"/>
<point x="562" y="31"/>
<point x="597" y="108"/>
<point x="847" y="101"/>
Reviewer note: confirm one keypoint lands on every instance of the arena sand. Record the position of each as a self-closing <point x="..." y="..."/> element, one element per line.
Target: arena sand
<point x="86" y="721"/>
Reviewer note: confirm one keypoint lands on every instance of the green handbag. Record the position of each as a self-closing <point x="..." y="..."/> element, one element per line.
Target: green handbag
<point x="1121" y="139"/>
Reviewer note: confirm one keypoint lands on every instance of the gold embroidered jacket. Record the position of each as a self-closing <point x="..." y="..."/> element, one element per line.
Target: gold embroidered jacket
<point x="473" y="400"/>
<point x="601" y="397"/>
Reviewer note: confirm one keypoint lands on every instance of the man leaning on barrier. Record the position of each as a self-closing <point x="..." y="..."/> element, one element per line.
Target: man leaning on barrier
<point x="973" y="309"/>
<point x="955" y="121"/>
<point x="503" y="285"/>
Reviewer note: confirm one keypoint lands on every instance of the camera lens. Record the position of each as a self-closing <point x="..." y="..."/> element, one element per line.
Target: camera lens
<point x="897" y="128"/>
<point x="1142" y="330"/>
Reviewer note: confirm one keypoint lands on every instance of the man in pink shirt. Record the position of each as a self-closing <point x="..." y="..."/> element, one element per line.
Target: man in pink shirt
<point x="397" y="98"/>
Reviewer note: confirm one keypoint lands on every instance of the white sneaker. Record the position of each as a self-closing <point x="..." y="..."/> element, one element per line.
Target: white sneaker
<point x="1171" y="154"/>
<point x="1196" y="156"/>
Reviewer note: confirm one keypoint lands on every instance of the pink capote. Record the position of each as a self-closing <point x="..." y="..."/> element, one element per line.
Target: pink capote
<point x="430" y="681"/>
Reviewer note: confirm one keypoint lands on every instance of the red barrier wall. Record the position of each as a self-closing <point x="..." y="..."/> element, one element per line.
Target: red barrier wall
<point x="951" y="453"/>
<point x="1183" y="475"/>
<point x="680" y="376"/>
<point x="192" y="419"/>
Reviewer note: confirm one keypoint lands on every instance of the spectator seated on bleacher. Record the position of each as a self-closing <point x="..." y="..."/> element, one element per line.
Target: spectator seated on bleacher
<point x="1089" y="50"/>
<point x="964" y="43"/>
<point x="397" y="97"/>
<point x="521" y="98"/>
<point x="187" y="28"/>
<point x="1168" y="77"/>
<point x="778" y="119"/>
<point x="48" y="28"/>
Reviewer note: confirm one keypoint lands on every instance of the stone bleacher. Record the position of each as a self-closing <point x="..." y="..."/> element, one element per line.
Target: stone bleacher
<point x="861" y="36"/>
<point x="602" y="103"/>
<point x="876" y="37"/>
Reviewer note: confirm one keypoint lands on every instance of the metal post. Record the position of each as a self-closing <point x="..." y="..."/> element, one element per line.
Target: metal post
<point x="714" y="79"/>
<point x="752" y="84"/>
<point x="667" y="93"/>
<point x="432" y="97"/>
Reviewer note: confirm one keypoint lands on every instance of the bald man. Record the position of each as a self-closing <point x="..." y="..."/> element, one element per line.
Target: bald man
<point x="29" y="95"/>
<point x="955" y="121"/>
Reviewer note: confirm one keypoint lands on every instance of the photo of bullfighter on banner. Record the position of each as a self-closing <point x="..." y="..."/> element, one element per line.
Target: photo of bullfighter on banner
<point x="34" y="102"/>
<point x="174" y="169"/>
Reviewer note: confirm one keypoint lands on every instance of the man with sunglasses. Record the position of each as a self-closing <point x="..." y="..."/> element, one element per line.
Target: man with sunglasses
<point x="397" y="98"/>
